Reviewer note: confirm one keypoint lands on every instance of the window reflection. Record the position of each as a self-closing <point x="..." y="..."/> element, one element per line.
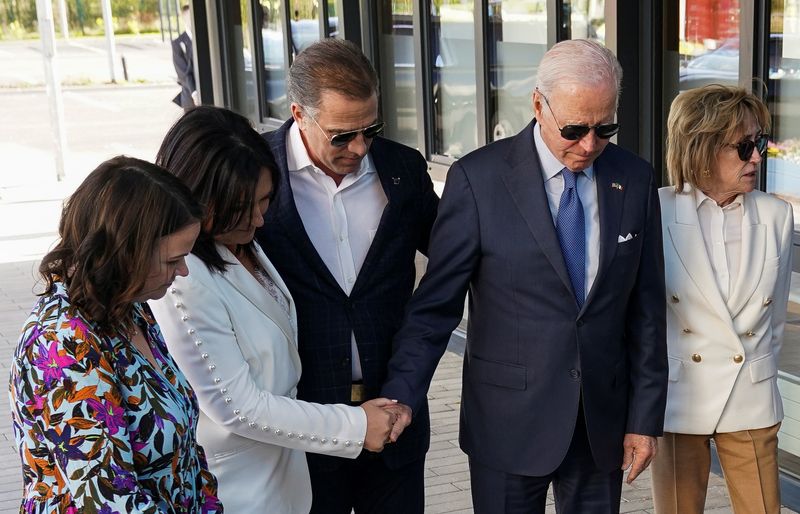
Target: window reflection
<point x="333" y="20"/>
<point x="517" y="39"/>
<point x="397" y="71"/>
<point x="305" y="23"/>
<point x="708" y="43"/>
<point x="240" y="55"/>
<point x="587" y="19"/>
<point x="783" y="163"/>
<point x="452" y="54"/>
<point x="272" y="41"/>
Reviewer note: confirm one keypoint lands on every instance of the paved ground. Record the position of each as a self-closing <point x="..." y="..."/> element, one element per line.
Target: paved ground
<point x="105" y="121"/>
<point x="83" y="61"/>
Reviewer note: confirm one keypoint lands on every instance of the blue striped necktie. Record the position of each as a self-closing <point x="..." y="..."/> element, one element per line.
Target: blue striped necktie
<point x="572" y="233"/>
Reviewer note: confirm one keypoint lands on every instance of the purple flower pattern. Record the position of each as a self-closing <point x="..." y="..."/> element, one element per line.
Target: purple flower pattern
<point x="98" y="427"/>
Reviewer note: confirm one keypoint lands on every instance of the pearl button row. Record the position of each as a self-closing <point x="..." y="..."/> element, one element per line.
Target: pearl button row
<point x="228" y="400"/>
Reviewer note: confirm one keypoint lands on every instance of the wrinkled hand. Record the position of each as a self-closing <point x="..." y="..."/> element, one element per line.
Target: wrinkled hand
<point x="404" y="416"/>
<point x="379" y="423"/>
<point x="638" y="451"/>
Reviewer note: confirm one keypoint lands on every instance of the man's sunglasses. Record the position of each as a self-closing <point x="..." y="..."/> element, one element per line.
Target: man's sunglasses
<point x="576" y="132"/>
<point x="745" y="148"/>
<point x="343" y="138"/>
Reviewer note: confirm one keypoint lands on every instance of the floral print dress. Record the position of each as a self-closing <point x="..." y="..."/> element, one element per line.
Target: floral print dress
<point x="99" y="429"/>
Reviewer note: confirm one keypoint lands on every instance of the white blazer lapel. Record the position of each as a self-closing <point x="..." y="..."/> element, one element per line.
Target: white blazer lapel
<point x="754" y="248"/>
<point x="241" y="280"/>
<point x="688" y="245"/>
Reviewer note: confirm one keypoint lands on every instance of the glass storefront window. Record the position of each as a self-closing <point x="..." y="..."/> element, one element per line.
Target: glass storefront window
<point x="304" y="23"/>
<point x="708" y="43"/>
<point x="333" y="20"/>
<point x="587" y="19"/>
<point x="783" y="180"/>
<point x="783" y="95"/>
<point x="273" y="49"/>
<point x="397" y="63"/>
<point x="242" y="88"/>
<point x="452" y="55"/>
<point x="517" y="40"/>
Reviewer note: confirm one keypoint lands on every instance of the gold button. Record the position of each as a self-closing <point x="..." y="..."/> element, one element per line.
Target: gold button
<point x="738" y="358"/>
<point x="696" y="357"/>
<point x="687" y="331"/>
<point x="767" y="301"/>
<point x="750" y="333"/>
<point x="675" y="299"/>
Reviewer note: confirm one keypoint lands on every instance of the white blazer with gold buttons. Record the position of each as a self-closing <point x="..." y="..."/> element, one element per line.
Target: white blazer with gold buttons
<point x="238" y="348"/>
<point x="723" y="356"/>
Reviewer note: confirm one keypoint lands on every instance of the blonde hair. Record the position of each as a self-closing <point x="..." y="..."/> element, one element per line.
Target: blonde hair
<point x="700" y="122"/>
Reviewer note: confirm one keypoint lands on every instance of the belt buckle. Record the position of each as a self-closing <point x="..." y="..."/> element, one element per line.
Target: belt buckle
<point x="357" y="393"/>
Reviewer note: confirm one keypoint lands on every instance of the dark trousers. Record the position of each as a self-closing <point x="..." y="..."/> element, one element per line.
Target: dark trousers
<point x="578" y="486"/>
<point x="366" y="486"/>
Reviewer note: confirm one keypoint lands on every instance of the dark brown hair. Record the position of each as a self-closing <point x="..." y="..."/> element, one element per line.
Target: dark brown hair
<point x="110" y="228"/>
<point x="219" y="156"/>
<point x="330" y="65"/>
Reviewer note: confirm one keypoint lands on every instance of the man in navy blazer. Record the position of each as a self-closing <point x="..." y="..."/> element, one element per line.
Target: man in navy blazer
<point x="350" y="212"/>
<point x="565" y="368"/>
<point x="183" y="60"/>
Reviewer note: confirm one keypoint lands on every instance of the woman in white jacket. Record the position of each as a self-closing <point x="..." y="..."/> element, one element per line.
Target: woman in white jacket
<point x="727" y="251"/>
<point x="231" y="327"/>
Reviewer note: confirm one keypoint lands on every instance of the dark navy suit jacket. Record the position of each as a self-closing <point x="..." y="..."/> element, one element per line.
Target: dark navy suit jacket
<point x="183" y="60"/>
<point x="531" y="354"/>
<point x="374" y="309"/>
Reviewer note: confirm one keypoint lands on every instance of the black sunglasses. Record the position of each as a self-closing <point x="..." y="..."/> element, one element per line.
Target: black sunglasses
<point x="342" y="138"/>
<point x="745" y="148"/>
<point x="576" y="132"/>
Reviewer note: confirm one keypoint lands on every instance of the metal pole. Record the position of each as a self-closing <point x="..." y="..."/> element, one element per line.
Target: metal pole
<point x="108" y="23"/>
<point x="62" y="11"/>
<point x="160" y="20"/>
<point x="47" y="33"/>
<point x="169" y="19"/>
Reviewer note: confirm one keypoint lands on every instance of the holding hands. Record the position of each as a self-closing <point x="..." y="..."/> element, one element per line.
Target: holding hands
<point x="386" y="420"/>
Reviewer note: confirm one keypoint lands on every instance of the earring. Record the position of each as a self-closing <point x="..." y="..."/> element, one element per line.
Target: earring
<point x="706" y="173"/>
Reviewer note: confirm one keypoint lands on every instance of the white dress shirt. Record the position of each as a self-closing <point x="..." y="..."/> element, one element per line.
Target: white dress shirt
<point x="722" y="234"/>
<point x="587" y="191"/>
<point x="341" y="221"/>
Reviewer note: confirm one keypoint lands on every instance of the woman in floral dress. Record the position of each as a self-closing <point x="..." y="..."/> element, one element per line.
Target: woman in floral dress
<point x="104" y="420"/>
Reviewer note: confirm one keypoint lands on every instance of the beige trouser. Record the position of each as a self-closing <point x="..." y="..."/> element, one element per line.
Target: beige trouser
<point x="749" y="465"/>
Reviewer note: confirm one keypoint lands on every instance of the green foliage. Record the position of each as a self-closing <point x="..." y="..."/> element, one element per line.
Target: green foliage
<point x="18" y="17"/>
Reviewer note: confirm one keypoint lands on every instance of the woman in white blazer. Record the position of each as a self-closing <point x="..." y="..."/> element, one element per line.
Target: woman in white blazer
<point x="232" y="329"/>
<point x="727" y="254"/>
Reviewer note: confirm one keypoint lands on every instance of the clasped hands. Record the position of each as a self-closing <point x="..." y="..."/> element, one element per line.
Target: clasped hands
<point x="386" y="420"/>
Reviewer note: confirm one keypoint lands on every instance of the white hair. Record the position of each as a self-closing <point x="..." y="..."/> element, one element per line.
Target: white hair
<point x="579" y="61"/>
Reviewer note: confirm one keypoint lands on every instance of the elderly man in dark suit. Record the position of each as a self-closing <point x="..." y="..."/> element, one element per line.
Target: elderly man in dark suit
<point x="350" y="212"/>
<point x="556" y="235"/>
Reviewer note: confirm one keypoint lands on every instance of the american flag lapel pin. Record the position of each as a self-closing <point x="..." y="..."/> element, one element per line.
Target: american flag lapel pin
<point x="617" y="186"/>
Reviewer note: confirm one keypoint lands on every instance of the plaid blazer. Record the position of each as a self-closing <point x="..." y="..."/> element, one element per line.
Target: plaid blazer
<point x="374" y="309"/>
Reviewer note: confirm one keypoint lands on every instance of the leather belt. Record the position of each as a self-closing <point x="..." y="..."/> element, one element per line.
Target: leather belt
<point x="358" y="393"/>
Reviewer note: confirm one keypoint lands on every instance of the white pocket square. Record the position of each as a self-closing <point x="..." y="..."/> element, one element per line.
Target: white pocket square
<point x="624" y="239"/>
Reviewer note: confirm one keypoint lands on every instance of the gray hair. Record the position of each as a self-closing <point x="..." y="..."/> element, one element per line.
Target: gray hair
<point x="581" y="61"/>
<point x="330" y="65"/>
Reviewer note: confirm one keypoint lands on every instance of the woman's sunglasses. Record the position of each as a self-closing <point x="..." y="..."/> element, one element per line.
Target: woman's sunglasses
<point x="343" y="138"/>
<point x="745" y="148"/>
<point x="576" y="132"/>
